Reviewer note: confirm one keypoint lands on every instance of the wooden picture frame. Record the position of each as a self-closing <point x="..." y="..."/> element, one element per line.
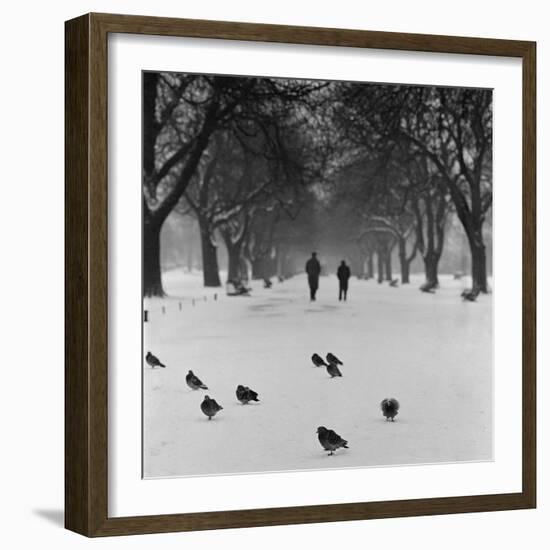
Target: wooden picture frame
<point x="86" y="281"/>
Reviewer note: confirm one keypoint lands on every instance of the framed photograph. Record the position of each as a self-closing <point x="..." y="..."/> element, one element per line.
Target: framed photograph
<point x="300" y="275"/>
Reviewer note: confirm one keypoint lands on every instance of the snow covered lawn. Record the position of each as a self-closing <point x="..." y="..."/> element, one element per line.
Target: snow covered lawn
<point x="432" y="352"/>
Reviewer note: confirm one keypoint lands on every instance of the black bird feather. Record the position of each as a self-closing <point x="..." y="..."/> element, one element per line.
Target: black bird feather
<point x="389" y="407"/>
<point x="153" y="361"/>
<point x="331" y="358"/>
<point x="333" y="370"/>
<point x="194" y="382"/>
<point x="245" y="394"/>
<point x="330" y="440"/>
<point x="318" y="361"/>
<point x="210" y="407"/>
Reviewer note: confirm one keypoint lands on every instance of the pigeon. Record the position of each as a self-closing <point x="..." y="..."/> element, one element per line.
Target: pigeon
<point x="330" y="440"/>
<point x="194" y="382"/>
<point x="389" y="407"/>
<point x="318" y="361"/>
<point x="333" y="370"/>
<point x="394" y="283"/>
<point x="153" y="361"/>
<point x="210" y="408"/>
<point x="333" y="359"/>
<point x="245" y="394"/>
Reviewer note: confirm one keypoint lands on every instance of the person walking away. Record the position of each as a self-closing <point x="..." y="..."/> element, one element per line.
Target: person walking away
<point x="313" y="270"/>
<point x="343" y="274"/>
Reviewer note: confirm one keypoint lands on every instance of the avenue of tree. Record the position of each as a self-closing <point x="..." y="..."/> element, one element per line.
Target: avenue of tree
<point x="270" y="166"/>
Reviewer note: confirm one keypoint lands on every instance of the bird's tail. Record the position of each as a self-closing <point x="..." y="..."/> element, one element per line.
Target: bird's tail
<point x="203" y="387"/>
<point x="345" y="445"/>
<point x="161" y="365"/>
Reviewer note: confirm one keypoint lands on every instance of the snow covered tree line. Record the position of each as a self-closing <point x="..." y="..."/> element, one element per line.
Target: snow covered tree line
<point x="261" y="163"/>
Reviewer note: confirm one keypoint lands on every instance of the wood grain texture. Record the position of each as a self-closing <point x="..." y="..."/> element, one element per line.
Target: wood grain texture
<point x="77" y="458"/>
<point x="86" y="279"/>
<point x="529" y="245"/>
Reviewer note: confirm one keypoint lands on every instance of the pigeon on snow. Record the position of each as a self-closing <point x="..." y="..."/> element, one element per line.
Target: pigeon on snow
<point x="153" y="361"/>
<point x="317" y="360"/>
<point x="245" y="394"/>
<point x="209" y="407"/>
<point x="330" y="440"/>
<point x="333" y="359"/>
<point x="333" y="370"/>
<point x="194" y="382"/>
<point x="389" y="407"/>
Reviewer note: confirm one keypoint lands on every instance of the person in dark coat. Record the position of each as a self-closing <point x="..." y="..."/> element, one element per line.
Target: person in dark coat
<point x="313" y="270"/>
<point x="343" y="275"/>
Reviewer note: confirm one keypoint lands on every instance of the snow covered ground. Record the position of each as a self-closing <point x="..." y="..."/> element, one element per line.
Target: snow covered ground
<point x="432" y="352"/>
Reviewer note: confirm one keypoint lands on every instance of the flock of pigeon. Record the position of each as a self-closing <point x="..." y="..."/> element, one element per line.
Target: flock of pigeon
<point x="210" y="407"/>
<point x="329" y="439"/>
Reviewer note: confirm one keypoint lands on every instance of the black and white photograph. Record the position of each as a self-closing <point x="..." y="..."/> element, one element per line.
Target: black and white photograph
<point x="316" y="274"/>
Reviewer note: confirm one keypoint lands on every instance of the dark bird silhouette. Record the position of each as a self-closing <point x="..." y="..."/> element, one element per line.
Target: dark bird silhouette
<point x="245" y="394"/>
<point x="210" y="407"/>
<point x="389" y="407"/>
<point x="153" y="361"/>
<point x="394" y="283"/>
<point x="330" y="440"/>
<point x="318" y="361"/>
<point x="194" y="382"/>
<point x="333" y="359"/>
<point x="333" y="370"/>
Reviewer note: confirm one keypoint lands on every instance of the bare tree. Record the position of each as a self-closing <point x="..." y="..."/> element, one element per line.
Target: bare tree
<point x="449" y="127"/>
<point x="453" y="129"/>
<point x="181" y="113"/>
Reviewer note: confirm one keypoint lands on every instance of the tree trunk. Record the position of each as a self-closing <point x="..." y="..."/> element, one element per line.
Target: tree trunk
<point x="246" y="269"/>
<point x="479" y="266"/>
<point x="190" y="252"/>
<point x="152" y="283"/>
<point x="234" y="263"/>
<point x="370" y="265"/>
<point x="281" y="261"/>
<point x="404" y="263"/>
<point x="210" y="270"/>
<point x="258" y="268"/>
<point x="405" y="269"/>
<point x="380" y="266"/>
<point x="431" y="262"/>
<point x="387" y="265"/>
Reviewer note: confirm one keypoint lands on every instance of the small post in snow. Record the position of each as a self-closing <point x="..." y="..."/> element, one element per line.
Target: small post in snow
<point x="145" y="316"/>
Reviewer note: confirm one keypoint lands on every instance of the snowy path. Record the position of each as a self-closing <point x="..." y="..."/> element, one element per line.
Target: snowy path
<point x="432" y="352"/>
